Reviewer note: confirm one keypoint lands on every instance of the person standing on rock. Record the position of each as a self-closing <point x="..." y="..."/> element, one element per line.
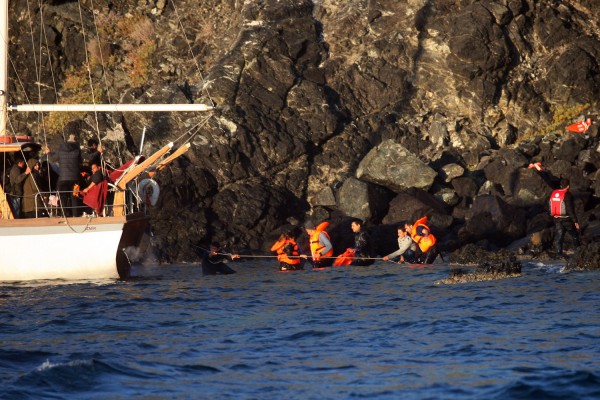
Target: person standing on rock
<point x="406" y="247"/>
<point x="321" y="248"/>
<point x="563" y="213"/>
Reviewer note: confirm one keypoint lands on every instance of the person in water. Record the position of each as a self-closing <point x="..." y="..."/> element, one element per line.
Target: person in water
<point x="288" y="253"/>
<point x="425" y="240"/>
<point x="363" y="248"/>
<point x="321" y="248"/>
<point x="406" y="247"/>
<point x="563" y="214"/>
<point x="213" y="262"/>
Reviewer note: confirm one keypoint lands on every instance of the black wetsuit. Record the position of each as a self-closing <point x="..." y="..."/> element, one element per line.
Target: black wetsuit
<point x="363" y="249"/>
<point x="215" y="265"/>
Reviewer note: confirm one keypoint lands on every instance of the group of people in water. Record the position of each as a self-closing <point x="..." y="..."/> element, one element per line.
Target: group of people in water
<point x="416" y="245"/>
<point x="31" y="182"/>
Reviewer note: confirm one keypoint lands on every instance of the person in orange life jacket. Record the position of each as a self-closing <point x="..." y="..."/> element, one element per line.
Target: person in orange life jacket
<point x="213" y="262"/>
<point x="406" y="247"/>
<point x="563" y="213"/>
<point x="425" y="240"/>
<point x="363" y="248"/>
<point x="288" y="253"/>
<point x="321" y="248"/>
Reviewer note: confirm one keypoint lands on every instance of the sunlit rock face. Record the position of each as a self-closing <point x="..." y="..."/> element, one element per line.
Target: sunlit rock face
<point x="310" y="95"/>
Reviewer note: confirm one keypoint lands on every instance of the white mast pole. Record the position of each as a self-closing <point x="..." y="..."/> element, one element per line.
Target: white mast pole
<point x="3" y="63"/>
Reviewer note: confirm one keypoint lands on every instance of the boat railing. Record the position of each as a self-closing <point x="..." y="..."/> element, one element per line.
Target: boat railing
<point x="48" y="204"/>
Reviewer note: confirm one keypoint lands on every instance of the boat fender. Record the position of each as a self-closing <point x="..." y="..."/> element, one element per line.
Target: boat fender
<point x="149" y="185"/>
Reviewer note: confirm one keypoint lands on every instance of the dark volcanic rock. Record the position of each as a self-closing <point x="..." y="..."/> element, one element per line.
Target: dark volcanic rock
<point x="427" y="97"/>
<point x="586" y="257"/>
<point x="490" y="265"/>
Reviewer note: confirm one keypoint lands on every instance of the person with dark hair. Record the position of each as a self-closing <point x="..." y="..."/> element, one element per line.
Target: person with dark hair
<point x="425" y="240"/>
<point x="213" y="262"/>
<point x="363" y="248"/>
<point x="69" y="158"/>
<point x="563" y="213"/>
<point x="18" y="174"/>
<point x="406" y="247"/>
<point x="321" y="248"/>
<point x="91" y="155"/>
<point x="288" y="253"/>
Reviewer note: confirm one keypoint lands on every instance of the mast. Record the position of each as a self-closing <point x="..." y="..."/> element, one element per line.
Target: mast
<point x="68" y="107"/>
<point x="3" y="63"/>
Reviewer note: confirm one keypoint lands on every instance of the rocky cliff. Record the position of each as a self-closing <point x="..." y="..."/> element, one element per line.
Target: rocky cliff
<point x="384" y="110"/>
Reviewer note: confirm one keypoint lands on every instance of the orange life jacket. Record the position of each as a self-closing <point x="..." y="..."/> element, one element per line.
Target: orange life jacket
<point x="279" y="247"/>
<point x="424" y="242"/>
<point x="315" y="246"/>
<point x="557" y="203"/>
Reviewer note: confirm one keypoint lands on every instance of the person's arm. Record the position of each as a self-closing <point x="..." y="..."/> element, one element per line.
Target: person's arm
<point x="324" y="241"/>
<point x="403" y="245"/>
<point x="570" y="208"/>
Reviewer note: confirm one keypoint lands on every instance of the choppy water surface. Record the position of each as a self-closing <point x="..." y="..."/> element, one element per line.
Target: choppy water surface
<point x="383" y="331"/>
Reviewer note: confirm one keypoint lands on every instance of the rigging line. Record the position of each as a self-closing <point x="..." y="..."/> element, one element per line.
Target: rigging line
<point x="187" y="41"/>
<point x="87" y="65"/>
<point x="33" y="46"/>
<point x="42" y="119"/>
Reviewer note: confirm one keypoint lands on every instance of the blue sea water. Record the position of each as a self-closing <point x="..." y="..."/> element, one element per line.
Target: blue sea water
<point x="383" y="332"/>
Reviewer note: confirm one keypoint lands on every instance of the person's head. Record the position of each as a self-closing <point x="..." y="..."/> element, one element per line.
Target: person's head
<point x="401" y="231"/>
<point x="92" y="143"/>
<point x="407" y="227"/>
<point x="95" y="167"/>
<point x="309" y="226"/>
<point x="564" y="183"/>
<point x="215" y="246"/>
<point x="21" y="163"/>
<point x="33" y="164"/>
<point x="356" y="224"/>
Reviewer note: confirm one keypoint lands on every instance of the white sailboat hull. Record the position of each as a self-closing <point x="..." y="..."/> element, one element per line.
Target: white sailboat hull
<point x="56" y="248"/>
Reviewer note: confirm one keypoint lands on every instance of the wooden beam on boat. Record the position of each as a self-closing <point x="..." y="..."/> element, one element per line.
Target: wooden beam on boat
<point x="161" y="165"/>
<point x="138" y="169"/>
<point x="119" y="199"/>
<point x="109" y="107"/>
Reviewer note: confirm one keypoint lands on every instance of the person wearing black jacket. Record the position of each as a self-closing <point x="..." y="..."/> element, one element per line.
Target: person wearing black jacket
<point x="69" y="158"/>
<point x="213" y="262"/>
<point x="363" y="248"/>
<point x="563" y="213"/>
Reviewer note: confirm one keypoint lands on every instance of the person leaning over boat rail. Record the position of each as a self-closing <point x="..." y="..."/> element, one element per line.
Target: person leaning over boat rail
<point x="406" y="247"/>
<point x="17" y="175"/>
<point x="321" y="248"/>
<point x="213" y="262"/>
